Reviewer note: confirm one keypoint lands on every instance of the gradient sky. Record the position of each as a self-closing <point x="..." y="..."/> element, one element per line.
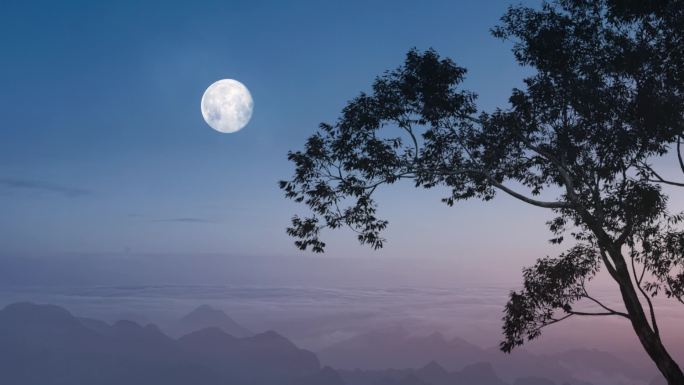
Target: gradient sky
<point x="103" y="149"/>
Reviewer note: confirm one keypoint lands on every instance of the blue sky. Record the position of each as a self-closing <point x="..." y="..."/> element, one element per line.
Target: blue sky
<point x="103" y="148"/>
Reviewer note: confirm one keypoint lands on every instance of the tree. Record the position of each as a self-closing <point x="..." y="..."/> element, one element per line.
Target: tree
<point x="606" y="101"/>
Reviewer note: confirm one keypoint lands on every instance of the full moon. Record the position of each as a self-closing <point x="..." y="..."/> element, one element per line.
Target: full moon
<point x="227" y="106"/>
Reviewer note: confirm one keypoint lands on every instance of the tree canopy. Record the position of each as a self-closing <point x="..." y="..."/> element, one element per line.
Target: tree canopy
<point x="605" y="101"/>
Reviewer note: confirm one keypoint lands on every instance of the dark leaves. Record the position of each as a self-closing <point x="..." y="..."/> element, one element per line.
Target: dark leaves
<point x="551" y="285"/>
<point x="377" y="141"/>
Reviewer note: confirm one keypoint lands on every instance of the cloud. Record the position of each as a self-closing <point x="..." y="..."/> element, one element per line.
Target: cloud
<point x="37" y="185"/>
<point x="184" y="220"/>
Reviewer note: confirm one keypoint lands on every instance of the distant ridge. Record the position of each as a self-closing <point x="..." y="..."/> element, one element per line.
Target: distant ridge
<point x="431" y="374"/>
<point x="264" y="358"/>
<point x="206" y="316"/>
<point x="396" y="348"/>
<point x="47" y="345"/>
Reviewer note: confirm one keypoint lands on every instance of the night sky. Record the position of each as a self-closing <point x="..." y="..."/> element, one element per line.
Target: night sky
<point x="103" y="148"/>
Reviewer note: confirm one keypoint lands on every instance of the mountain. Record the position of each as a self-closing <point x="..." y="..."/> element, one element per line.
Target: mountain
<point x="380" y="377"/>
<point x="480" y="374"/>
<point x="206" y="316"/>
<point x="430" y="374"/>
<point x="397" y="348"/>
<point x="596" y="365"/>
<point x="412" y="379"/>
<point x="47" y="345"/>
<point x="434" y="374"/>
<point x="533" y="381"/>
<point x="264" y="358"/>
<point x="326" y="376"/>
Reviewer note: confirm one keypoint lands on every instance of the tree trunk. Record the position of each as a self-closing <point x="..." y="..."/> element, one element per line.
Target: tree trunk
<point x="649" y="339"/>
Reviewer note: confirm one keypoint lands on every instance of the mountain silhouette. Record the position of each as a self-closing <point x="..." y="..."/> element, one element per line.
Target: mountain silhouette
<point x="326" y="376"/>
<point x="43" y="344"/>
<point x="412" y="379"/>
<point x="602" y="363"/>
<point x="431" y="374"/>
<point x="206" y="316"/>
<point x="263" y="358"/>
<point x="480" y="373"/>
<point x="47" y="345"/>
<point x="434" y="374"/>
<point x="533" y="381"/>
<point x="396" y="348"/>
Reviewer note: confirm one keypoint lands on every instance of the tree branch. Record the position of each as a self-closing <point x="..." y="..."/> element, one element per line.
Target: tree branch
<point x="507" y="190"/>
<point x="551" y="322"/>
<point x="569" y="187"/>
<point x="638" y="280"/>
<point x="555" y="320"/>
<point x="534" y="202"/>
<point x="660" y="179"/>
<point x="606" y="308"/>
<point x="626" y="232"/>
<point x="611" y="269"/>
<point x="680" y="157"/>
<point x="572" y="312"/>
<point x="502" y="187"/>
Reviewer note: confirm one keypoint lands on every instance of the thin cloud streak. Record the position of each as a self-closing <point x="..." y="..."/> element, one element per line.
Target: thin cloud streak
<point x="184" y="220"/>
<point x="37" y="185"/>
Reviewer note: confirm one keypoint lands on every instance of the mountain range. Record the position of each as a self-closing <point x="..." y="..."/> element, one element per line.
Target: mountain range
<point x="47" y="345"/>
<point x="206" y="316"/>
<point x="398" y="348"/>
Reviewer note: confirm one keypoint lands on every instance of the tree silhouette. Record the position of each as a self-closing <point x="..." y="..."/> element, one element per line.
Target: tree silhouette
<point x="606" y="100"/>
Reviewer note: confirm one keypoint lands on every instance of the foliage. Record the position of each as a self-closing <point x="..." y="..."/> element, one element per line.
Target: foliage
<point x="551" y="284"/>
<point x="606" y="101"/>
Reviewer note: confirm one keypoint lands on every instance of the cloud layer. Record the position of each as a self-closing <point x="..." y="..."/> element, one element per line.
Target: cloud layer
<point x="43" y="186"/>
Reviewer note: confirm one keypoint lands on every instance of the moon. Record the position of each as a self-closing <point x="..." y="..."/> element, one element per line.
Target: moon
<point x="227" y="106"/>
